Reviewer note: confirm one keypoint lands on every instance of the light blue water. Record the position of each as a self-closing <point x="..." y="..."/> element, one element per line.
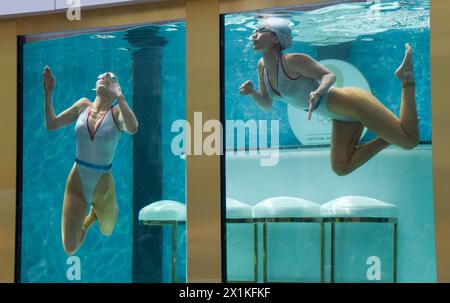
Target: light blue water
<point x="48" y="156"/>
<point x="371" y="39"/>
<point x="338" y="31"/>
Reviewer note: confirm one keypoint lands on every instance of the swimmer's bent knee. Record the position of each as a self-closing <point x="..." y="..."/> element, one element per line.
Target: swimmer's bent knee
<point x="341" y="170"/>
<point x="410" y="144"/>
<point x="107" y="229"/>
<point x="70" y="247"/>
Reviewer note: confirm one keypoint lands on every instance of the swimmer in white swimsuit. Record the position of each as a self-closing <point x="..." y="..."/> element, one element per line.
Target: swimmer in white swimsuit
<point x="296" y="91"/>
<point x="95" y="148"/>
<point x="98" y="129"/>
<point x="299" y="80"/>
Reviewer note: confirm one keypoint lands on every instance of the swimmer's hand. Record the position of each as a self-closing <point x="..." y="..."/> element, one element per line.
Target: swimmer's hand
<point x="246" y="88"/>
<point x="48" y="80"/>
<point x="114" y="87"/>
<point x="313" y="97"/>
<point x="116" y="91"/>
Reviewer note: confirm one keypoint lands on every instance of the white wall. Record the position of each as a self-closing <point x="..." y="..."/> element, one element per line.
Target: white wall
<point x="10" y="7"/>
<point x="61" y="4"/>
<point x="14" y="8"/>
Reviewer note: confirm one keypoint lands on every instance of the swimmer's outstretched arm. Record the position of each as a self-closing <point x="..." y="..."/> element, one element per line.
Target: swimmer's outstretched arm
<point x="261" y="98"/>
<point x="52" y="121"/>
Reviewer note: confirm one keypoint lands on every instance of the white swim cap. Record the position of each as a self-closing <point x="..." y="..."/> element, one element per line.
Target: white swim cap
<point x="281" y="28"/>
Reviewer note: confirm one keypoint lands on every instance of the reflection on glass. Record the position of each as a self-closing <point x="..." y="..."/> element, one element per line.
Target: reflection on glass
<point x="98" y="172"/>
<point x="335" y="182"/>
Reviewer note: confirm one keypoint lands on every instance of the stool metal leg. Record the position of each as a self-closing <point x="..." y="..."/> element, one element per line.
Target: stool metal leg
<point x="332" y="252"/>
<point x="332" y="244"/>
<point x="395" y="253"/>
<point x="322" y="252"/>
<point x="174" y="252"/>
<point x="255" y="252"/>
<point x="264" y="252"/>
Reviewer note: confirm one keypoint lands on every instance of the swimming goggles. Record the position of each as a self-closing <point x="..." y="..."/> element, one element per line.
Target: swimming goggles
<point x="262" y="29"/>
<point x="113" y="78"/>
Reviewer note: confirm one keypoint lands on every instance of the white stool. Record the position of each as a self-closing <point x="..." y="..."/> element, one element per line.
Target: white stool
<point x="358" y="209"/>
<point x="165" y="212"/>
<point x="239" y="213"/>
<point x="287" y="210"/>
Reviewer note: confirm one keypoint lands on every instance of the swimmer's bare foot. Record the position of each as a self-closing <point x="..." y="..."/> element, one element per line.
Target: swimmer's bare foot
<point x="406" y="71"/>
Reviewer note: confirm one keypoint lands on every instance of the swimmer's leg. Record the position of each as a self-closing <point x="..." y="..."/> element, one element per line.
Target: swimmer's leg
<point x="105" y="205"/>
<point x="363" y="106"/>
<point x="408" y="111"/>
<point x="73" y="215"/>
<point x="346" y="154"/>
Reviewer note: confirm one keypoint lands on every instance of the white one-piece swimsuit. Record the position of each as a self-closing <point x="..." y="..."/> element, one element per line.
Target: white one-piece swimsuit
<point x="95" y="149"/>
<point x="295" y="91"/>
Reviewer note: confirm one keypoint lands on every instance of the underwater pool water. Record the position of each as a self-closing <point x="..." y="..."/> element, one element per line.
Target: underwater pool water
<point x="148" y="61"/>
<point x="371" y="37"/>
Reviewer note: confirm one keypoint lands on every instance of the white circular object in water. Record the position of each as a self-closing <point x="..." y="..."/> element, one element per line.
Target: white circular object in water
<point x="318" y="129"/>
